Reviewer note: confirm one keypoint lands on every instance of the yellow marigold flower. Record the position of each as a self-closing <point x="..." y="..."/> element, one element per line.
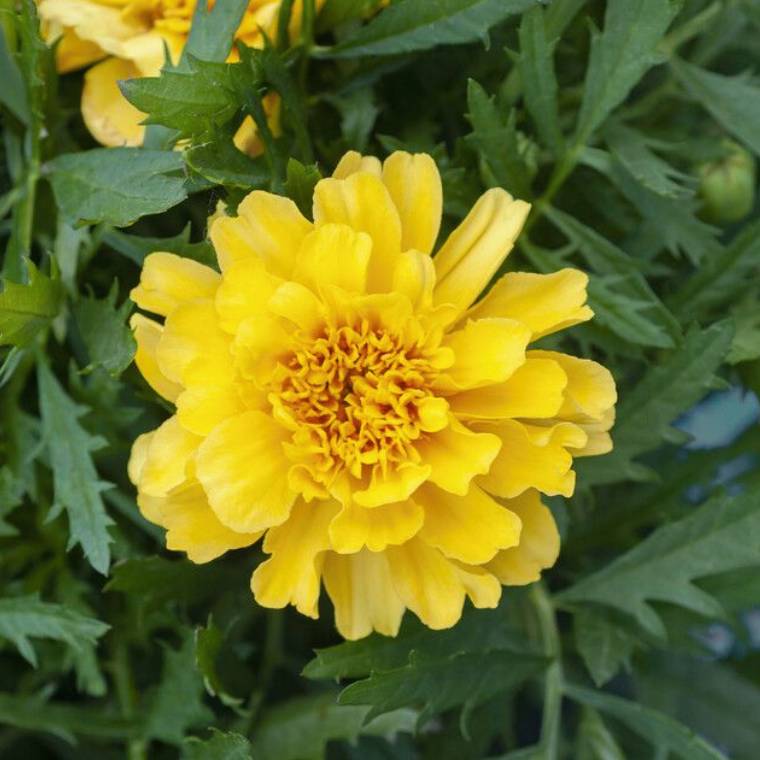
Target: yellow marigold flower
<point x="345" y="394"/>
<point x="126" y="39"/>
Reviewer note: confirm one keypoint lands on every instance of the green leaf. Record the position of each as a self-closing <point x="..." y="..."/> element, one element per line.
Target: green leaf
<point x="213" y="29"/>
<point x="620" y="56"/>
<point x="660" y="730"/>
<point x="136" y="248"/>
<point x="604" y="645"/>
<point x="221" y="746"/>
<point x="109" y="341"/>
<point x="723" y="534"/>
<point x="116" y="186"/>
<point x="27" y="309"/>
<point x="177" y="704"/>
<point x="300" y="728"/>
<point x="13" y="92"/>
<point x="222" y="163"/>
<point x="536" y="65"/>
<point x="409" y="25"/>
<point x="300" y="183"/>
<point x="496" y="141"/>
<point x="209" y="642"/>
<point x="595" y="742"/>
<point x="734" y="102"/>
<point x="645" y="414"/>
<point x="77" y="485"/>
<point x="26" y="617"/>
<point x="746" y="344"/>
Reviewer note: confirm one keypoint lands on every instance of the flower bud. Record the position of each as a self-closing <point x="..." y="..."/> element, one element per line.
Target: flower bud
<point x="727" y="186"/>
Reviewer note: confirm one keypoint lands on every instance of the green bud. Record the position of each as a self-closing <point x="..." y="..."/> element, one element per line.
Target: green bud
<point x="727" y="186"/>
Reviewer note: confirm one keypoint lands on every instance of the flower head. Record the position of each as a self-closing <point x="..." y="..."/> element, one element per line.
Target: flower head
<point x="128" y="38"/>
<point x="344" y="393"/>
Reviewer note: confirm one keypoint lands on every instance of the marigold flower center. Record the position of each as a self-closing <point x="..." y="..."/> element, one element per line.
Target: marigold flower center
<point x="356" y="395"/>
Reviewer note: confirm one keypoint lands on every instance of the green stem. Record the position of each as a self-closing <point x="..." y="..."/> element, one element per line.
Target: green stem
<point x="552" y="713"/>
<point x="137" y="749"/>
<point x="271" y="658"/>
<point x="692" y="28"/>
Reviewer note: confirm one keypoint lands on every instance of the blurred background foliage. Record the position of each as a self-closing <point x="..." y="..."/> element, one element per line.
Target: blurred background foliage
<point x="633" y="127"/>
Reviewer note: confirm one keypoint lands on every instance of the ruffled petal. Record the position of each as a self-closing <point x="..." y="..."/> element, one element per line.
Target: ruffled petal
<point x="483" y="588"/>
<point x="545" y="302"/>
<point x="486" y="352"/>
<point x="414" y="277"/>
<point x="363" y="594"/>
<point x="469" y="528"/>
<point x="363" y="203"/>
<point x="201" y="408"/>
<point x="168" y="280"/>
<point x="396" y="484"/>
<point x="147" y="334"/>
<point x="292" y="574"/>
<point x="539" y="543"/>
<point x="456" y="455"/>
<point x="415" y="186"/>
<point x="353" y="163"/>
<point x="533" y="457"/>
<point x="299" y="305"/>
<point x="535" y="390"/>
<point x="244" y="471"/>
<point x="475" y="250"/>
<point x="167" y="458"/>
<point x="599" y="440"/>
<point x="191" y="525"/>
<point x="356" y="527"/>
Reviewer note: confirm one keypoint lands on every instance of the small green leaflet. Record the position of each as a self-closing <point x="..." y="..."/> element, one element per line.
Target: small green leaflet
<point x="77" y="485"/>
<point x="221" y="746"/>
<point x="102" y="325"/>
<point x="658" y="729"/>
<point x="723" y="534"/>
<point x="595" y="742"/>
<point x="116" y="186"/>
<point x="300" y="182"/>
<point x="620" y="56"/>
<point x="734" y="102"/>
<point x="27" y="309"/>
<point x="26" y="617"/>
<point x="409" y="25"/>
<point x="668" y="389"/>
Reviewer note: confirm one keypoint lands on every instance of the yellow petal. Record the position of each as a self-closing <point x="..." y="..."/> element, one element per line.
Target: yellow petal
<point x="72" y="52"/>
<point x="539" y="543"/>
<point x="481" y="586"/>
<point x="148" y="334"/>
<point x="247" y="137"/>
<point x="599" y="439"/>
<point x="535" y="390"/>
<point x="244" y="292"/>
<point x="469" y="528"/>
<point x="362" y="592"/>
<point x="260" y="344"/>
<point x="353" y="162"/>
<point x="167" y="280"/>
<point x="456" y="455"/>
<point x="334" y="254"/>
<point x="427" y="583"/>
<point x="167" y="458"/>
<point x="545" y="302"/>
<point x="138" y="455"/>
<point x="268" y="226"/>
<point x="486" y="352"/>
<point x="415" y="186"/>
<point x="191" y="525"/>
<point x="533" y="457"/>
<point x="193" y="350"/>
<point x="414" y="277"/>
<point x="363" y="203"/>
<point x="590" y="392"/>
<point x="292" y="574"/>
<point x="356" y="527"/>
<point x="395" y="485"/>
<point x="299" y="305"/>
<point x="110" y="117"/>
<point x="201" y="408"/>
<point x="475" y="250"/>
<point x="243" y="469"/>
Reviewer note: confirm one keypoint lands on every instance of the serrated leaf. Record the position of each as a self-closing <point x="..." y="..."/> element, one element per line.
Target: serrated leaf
<point x="409" y="25"/>
<point x="646" y="412"/>
<point x="721" y="535"/>
<point x="300" y="183"/>
<point x="620" y="56"/>
<point x="27" y="617"/>
<point x="595" y="742"/>
<point x="734" y="102"/>
<point x="658" y="729"/>
<point x="27" y="309"/>
<point x="300" y="728"/>
<point x="746" y="344"/>
<point x="536" y="65"/>
<point x="221" y="163"/>
<point x="116" y="186"/>
<point x="104" y="330"/>
<point x="221" y="746"/>
<point x="76" y="483"/>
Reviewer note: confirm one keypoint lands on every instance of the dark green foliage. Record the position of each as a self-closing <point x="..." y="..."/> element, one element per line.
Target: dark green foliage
<point x="603" y="115"/>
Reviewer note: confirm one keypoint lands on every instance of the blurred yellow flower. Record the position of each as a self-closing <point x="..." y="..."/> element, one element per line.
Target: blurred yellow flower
<point x="345" y="394"/>
<point x="126" y="39"/>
